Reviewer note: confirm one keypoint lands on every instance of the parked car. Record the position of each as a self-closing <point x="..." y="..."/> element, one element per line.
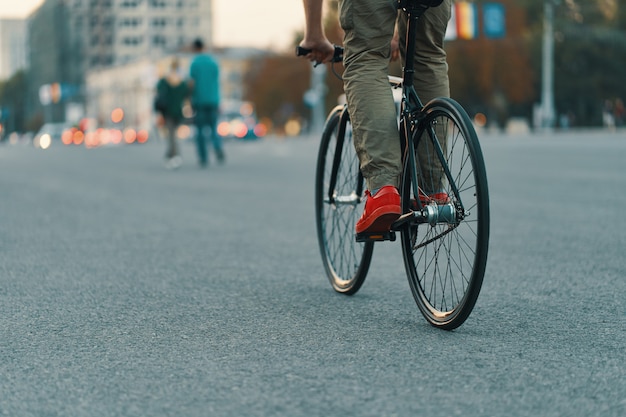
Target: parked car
<point x="238" y="120"/>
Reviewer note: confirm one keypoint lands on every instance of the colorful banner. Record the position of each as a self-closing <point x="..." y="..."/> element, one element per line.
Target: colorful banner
<point x="466" y="20"/>
<point x="494" y="22"/>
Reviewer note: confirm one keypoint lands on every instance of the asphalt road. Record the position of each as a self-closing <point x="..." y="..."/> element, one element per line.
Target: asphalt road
<point x="130" y="290"/>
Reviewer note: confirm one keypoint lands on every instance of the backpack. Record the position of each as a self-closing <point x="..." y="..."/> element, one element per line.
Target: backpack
<point x="160" y="100"/>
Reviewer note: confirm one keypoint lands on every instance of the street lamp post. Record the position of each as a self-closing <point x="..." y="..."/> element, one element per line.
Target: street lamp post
<point x="547" y="76"/>
<point x="315" y="98"/>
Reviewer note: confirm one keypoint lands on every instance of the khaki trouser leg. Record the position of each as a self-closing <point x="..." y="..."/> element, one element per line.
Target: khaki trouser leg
<point x="431" y="67"/>
<point x="369" y="26"/>
<point x="431" y="81"/>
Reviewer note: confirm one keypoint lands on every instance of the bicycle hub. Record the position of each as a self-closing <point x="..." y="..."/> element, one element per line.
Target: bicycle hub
<point x="433" y="214"/>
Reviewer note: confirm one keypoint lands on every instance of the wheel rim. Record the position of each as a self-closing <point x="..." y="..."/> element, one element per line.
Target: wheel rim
<point x="346" y="260"/>
<point x="445" y="262"/>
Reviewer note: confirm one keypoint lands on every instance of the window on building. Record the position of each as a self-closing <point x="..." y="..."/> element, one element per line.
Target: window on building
<point x="159" y="22"/>
<point x="159" y="40"/>
<point x="158" y="4"/>
<point x="132" y="22"/>
<point x="132" y="40"/>
<point x="107" y="22"/>
<point x="129" y="4"/>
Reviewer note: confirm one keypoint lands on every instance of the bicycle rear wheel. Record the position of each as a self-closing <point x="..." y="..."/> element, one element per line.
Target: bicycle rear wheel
<point x="445" y="258"/>
<point x="338" y="205"/>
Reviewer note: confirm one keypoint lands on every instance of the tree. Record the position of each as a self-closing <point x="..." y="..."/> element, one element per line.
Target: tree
<point x="589" y="39"/>
<point x="501" y="77"/>
<point x="495" y="76"/>
<point x="276" y="86"/>
<point x="12" y="102"/>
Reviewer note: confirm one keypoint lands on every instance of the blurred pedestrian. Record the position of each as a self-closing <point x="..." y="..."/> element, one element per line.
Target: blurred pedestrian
<point x="205" y="100"/>
<point x="172" y="90"/>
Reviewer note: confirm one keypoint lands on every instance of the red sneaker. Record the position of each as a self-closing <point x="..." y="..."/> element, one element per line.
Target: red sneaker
<point x="437" y="198"/>
<point x="381" y="210"/>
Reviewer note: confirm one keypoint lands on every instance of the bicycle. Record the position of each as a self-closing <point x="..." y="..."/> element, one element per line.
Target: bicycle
<point x="444" y="239"/>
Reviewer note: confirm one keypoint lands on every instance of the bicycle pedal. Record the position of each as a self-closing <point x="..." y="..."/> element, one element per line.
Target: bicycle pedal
<point x="402" y="220"/>
<point x="376" y="236"/>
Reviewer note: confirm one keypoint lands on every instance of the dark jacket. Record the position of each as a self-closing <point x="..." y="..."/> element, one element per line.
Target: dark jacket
<point x="174" y="91"/>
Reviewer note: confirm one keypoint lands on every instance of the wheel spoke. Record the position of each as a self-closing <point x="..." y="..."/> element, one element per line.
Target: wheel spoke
<point x="445" y="262"/>
<point x="346" y="261"/>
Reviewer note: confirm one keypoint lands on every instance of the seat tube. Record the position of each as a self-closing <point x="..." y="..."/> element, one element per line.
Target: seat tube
<point x="411" y="100"/>
<point x="414" y="12"/>
<point x="341" y="135"/>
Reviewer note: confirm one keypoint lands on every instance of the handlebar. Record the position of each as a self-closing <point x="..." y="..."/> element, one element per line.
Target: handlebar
<point x="337" y="55"/>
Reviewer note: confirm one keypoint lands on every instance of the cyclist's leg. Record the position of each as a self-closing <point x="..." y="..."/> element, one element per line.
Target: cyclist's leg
<point x="369" y="26"/>
<point x="431" y="67"/>
<point x="431" y="81"/>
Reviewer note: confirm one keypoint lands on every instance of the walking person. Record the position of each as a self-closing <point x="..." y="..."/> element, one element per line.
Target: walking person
<point x="172" y="91"/>
<point x="370" y="43"/>
<point x="205" y="100"/>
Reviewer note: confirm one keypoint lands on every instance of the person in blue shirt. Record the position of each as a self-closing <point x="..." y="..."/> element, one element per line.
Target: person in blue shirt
<point x="205" y="99"/>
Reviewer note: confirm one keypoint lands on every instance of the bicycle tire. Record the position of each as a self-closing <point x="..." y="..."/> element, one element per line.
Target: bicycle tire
<point x="346" y="261"/>
<point x="446" y="262"/>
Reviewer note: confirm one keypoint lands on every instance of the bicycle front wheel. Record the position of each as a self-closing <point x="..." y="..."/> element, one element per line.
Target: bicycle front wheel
<point x="445" y="256"/>
<point x="338" y="205"/>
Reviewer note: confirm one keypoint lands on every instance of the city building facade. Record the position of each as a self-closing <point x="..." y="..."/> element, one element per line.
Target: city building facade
<point x="131" y="86"/>
<point x="70" y="38"/>
<point x="13" y="47"/>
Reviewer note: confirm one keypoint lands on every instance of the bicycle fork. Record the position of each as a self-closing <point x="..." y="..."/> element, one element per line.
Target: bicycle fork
<point x="354" y="198"/>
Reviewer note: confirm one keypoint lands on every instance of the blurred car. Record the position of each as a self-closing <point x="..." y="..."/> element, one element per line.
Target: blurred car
<point x="49" y="134"/>
<point x="238" y="120"/>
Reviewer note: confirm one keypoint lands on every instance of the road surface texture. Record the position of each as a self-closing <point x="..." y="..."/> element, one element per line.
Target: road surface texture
<point x="130" y="290"/>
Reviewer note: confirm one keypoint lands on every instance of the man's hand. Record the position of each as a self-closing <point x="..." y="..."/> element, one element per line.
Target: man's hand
<point x="314" y="39"/>
<point x="321" y="49"/>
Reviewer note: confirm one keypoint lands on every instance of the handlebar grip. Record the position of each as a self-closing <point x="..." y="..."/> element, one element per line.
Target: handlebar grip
<point x="337" y="55"/>
<point x="300" y="51"/>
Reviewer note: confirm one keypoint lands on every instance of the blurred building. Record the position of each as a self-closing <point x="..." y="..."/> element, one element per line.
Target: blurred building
<point x="69" y="38"/>
<point x="115" y="32"/>
<point x="12" y="46"/>
<point x="235" y="63"/>
<point x="131" y="86"/>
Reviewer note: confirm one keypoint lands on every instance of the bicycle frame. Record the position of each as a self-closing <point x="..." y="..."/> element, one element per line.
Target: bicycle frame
<point x="354" y="200"/>
<point x="410" y="109"/>
<point x="411" y="104"/>
<point x="444" y="247"/>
